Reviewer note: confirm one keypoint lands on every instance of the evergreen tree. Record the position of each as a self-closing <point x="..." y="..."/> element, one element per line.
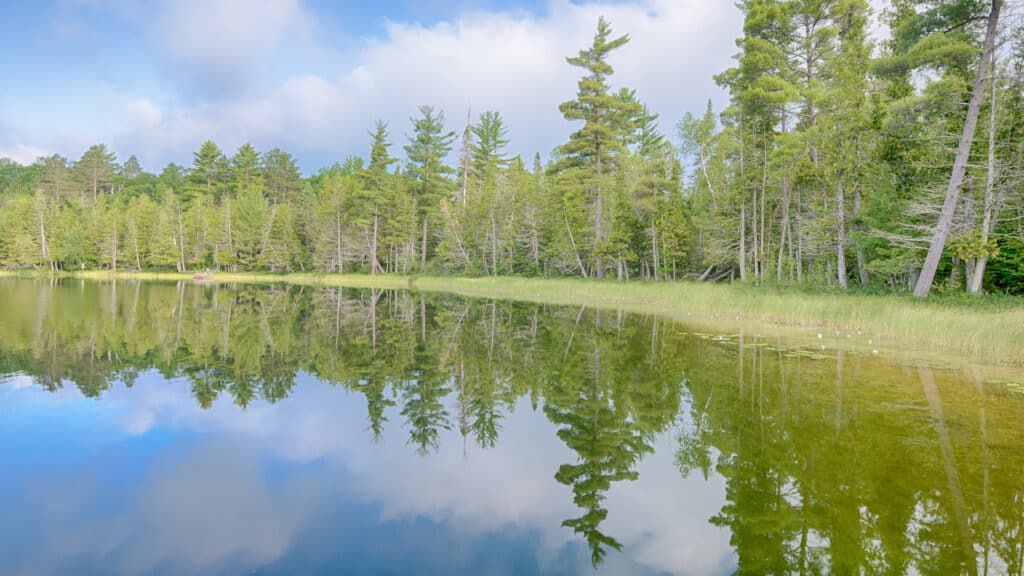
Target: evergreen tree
<point x="427" y="148"/>
<point x="249" y="224"/>
<point x="245" y="166"/>
<point x="209" y="174"/>
<point x="376" y="182"/>
<point x="96" y="169"/>
<point x="281" y="176"/>
<point x="605" y="118"/>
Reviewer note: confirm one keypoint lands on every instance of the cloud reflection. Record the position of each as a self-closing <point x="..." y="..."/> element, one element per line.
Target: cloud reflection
<point x="227" y="489"/>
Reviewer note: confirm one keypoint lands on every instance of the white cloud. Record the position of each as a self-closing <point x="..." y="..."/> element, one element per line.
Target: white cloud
<point x="513" y="63"/>
<point x="263" y="71"/>
<point x="22" y="153"/>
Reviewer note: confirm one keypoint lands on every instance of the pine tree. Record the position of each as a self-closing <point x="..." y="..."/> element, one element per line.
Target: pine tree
<point x="249" y="224"/>
<point x="376" y="182"/>
<point x="96" y="169"/>
<point x="425" y="152"/>
<point x="245" y="166"/>
<point x="281" y="176"/>
<point x="605" y="118"/>
<point x="209" y="174"/>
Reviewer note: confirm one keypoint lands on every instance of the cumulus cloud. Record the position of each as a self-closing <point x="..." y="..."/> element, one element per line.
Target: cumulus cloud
<point x="510" y="62"/>
<point x="266" y="72"/>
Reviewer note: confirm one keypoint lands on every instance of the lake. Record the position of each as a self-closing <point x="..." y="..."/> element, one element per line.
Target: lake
<point x="177" y="428"/>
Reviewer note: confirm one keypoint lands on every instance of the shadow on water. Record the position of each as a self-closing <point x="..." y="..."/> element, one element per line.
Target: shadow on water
<point x="831" y="462"/>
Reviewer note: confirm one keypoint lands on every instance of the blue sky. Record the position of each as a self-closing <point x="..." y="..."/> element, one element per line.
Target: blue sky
<point x="311" y="76"/>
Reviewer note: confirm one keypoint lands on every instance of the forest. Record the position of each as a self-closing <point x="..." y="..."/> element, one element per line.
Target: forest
<point x="847" y="157"/>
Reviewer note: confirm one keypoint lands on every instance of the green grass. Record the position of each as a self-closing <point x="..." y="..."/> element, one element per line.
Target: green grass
<point x="978" y="328"/>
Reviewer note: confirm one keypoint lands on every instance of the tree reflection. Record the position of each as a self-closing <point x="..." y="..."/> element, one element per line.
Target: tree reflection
<point x="830" y="463"/>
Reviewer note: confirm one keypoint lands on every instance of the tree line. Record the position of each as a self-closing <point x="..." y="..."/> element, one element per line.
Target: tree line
<point x="839" y="161"/>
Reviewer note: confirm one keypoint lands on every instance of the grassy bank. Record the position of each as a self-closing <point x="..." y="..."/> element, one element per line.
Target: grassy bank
<point x="981" y="328"/>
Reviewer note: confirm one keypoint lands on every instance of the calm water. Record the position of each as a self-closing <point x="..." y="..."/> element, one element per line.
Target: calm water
<point x="183" y="429"/>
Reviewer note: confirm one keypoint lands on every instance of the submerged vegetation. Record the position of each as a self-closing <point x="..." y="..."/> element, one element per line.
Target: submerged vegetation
<point x="839" y="162"/>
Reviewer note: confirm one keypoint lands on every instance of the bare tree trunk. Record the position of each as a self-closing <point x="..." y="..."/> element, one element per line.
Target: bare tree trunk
<point x="743" y="242"/>
<point x="337" y="246"/>
<point x="181" y="243"/>
<point x="754" y="237"/>
<point x="113" y="255"/>
<point x="799" y="241"/>
<point x="654" y="249"/>
<point x="784" y="229"/>
<point x="494" y="242"/>
<point x="841" y="236"/>
<point x="43" y="246"/>
<point x="231" y="241"/>
<point x="572" y="240"/>
<point x="938" y="243"/>
<point x="423" y="245"/>
<point x="762" y="241"/>
<point x="599" y="263"/>
<point x="991" y="205"/>
<point x="138" y="261"/>
<point x="374" y="263"/>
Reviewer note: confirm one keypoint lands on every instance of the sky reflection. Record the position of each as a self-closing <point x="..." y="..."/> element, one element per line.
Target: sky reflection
<point x="144" y="480"/>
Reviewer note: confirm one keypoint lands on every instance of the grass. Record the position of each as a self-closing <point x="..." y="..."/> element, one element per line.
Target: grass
<point x="955" y="328"/>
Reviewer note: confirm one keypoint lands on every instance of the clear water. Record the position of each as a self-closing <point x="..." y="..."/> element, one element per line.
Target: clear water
<point x="190" y="429"/>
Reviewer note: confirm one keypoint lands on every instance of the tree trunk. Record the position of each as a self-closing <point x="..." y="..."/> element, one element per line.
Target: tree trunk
<point x="799" y="241"/>
<point x="762" y="241"/>
<point x="754" y="237"/>
<point x="231" y="240"/>
<point x="494" y="242"/>
<point x="181" y="243"/>
<point x="841" y="236"/>
<point x="654" y="250"/>
<point x="784" y="229"/>
<point x="572" y="240"/>
<point x="991" y="205"/>
<point x="938" y="243"/>
<point x="374" y="264"/>
<point x="743" y="242"/>
<point x="337" y="242"/>
<point x="599" y="262"/>
<point x="113" y="255"/>
<point x="423" y="245"/>
<point x="43" y="246"/>
<point x="138" y="261"/>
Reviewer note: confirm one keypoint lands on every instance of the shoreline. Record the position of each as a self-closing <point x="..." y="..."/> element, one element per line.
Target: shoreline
<point x="871" y="324"/>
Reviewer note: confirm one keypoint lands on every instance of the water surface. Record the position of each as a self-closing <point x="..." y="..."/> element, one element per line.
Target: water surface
<point x="194" y="429"/>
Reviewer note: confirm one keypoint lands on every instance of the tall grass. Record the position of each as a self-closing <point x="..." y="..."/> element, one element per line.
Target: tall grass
<point x="982" y="328"/>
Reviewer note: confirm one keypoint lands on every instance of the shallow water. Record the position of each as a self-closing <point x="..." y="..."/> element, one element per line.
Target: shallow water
<point x="193" y="429"/>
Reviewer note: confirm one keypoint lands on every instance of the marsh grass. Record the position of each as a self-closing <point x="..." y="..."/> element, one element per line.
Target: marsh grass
<point x="989" y="328"/>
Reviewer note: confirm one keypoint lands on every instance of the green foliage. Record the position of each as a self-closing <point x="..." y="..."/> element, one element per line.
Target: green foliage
<point x="249" y="226"/>
<point x="826" y="169"/>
